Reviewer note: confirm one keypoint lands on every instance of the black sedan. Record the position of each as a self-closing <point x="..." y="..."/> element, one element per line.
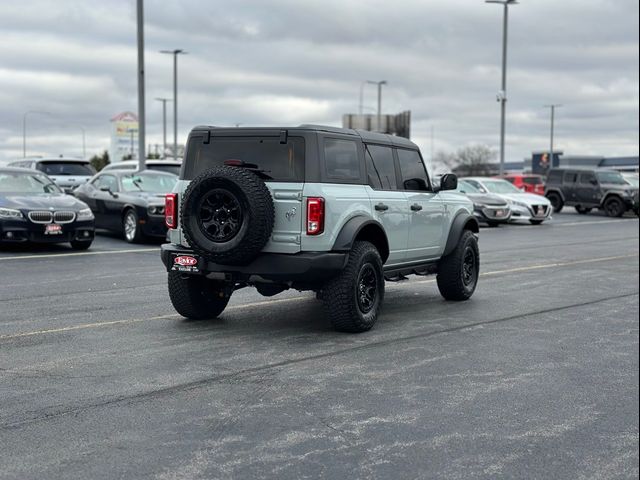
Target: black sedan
<point x="487" y="208"/>
<point x="131" y="203"/>
<point x="34" y="209"/>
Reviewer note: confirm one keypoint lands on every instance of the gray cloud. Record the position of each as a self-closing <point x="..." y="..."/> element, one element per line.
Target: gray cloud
<point x="284" y="63"/>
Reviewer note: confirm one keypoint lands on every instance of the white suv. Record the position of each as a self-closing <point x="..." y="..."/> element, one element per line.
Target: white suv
<point x="332" y="210"/>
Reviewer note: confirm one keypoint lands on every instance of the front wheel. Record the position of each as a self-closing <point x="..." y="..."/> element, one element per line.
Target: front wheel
<point x="81" y="244"/>
<point x="614" y="207"/>
<point x="458" y="272"/>
<point x="131" y="227"/>
<point x="556" y="201"/>
<point x="353" y="299"/>
<point x="197" y="297"/>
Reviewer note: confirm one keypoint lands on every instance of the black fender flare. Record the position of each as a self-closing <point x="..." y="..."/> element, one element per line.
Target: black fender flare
<point x="463" y="221"/>
<point x="555" y="190"/>
<point x="353" y="227"/>
<point x="611" y="193"/>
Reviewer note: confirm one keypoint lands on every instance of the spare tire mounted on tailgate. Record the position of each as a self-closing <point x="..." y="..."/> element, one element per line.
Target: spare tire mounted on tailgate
<point x="227" y="215"/>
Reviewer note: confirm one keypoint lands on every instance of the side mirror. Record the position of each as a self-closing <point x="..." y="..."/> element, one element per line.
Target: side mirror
<point x="415" y="184"/>
<point x="104" y="188"/>
<point x="448" y="182"/>
<point x="593" y="181"/>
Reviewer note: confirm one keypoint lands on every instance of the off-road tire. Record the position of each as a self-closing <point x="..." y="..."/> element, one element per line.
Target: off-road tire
<point x="340" y="294"/>
<point x="450" y="278"/>
<point x="614" y="207"/>
<point x="556" y="201"/>
<point x="81" y="244"/>
<point x="582" y="210"/>
<point x="257" y="215"/>
<point x="197" y="297"/>
<point x="137" y="236"/>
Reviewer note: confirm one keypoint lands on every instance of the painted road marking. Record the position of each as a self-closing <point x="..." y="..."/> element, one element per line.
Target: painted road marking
<point x="298" y="299"/>
<point x="79" y="254"/>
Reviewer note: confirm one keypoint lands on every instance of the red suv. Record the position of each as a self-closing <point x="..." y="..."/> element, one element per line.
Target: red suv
<point x="528" y="182"/>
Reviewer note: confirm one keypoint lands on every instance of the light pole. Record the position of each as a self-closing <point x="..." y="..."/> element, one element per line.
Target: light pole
<point x="84" y="145"/>
<point x="379" y="84"/>
<point x="552" y="107"/>
<point x="164" y="124"/>
<point x="141" y="115"/>
<point x="502" y="95"/>
<point x="175" y="54"/>
<point x="24" y="128"/>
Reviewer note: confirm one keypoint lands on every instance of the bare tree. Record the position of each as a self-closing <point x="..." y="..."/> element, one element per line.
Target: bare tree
<point x="468" y="161"/>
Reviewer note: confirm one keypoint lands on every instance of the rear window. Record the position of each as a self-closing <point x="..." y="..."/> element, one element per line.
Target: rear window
<point x="175" y="169"/>
<point x="66" y="168"/>
<point x="532" y="180"/>
<point x="281" y="162"/>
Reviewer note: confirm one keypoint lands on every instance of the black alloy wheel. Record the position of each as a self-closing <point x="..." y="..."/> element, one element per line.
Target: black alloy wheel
<point x="367" y="289"/>
<point x="220" y="215"/>
<point x="614" y="207"/>
<point x="469" y="268"/>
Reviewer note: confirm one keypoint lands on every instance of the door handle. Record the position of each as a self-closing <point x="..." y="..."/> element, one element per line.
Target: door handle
<point x="381" y="207"/>
<point x="416" y="208"/>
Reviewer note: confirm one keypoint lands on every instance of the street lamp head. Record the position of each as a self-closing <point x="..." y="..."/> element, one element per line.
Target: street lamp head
<point x="177" y="51"/>
<point x="503" y="2"/>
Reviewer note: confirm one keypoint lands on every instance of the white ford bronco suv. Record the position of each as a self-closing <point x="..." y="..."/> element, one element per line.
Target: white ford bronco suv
<point x="332" y="210"/>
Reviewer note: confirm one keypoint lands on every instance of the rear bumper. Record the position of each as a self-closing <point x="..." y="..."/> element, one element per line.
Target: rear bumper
<point x="304" y="267"/>
<point x="154" y="226"/>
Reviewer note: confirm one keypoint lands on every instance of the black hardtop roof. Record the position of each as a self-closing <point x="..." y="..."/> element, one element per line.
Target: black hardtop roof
<point x="365" y="135"/>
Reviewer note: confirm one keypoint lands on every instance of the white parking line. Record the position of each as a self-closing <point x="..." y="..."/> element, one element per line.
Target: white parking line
<point x="79" y="254"/>
<point x="298" y="299"/>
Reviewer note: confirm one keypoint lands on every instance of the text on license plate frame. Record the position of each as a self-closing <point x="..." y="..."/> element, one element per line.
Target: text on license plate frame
<point x="185" y="263"/>
<point x="53" y="229"/>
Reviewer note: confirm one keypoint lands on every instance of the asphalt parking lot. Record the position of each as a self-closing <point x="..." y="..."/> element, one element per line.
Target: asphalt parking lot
<point x="536" y="376"/>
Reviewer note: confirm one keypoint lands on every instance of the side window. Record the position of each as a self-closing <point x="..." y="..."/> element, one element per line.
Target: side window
<point x="414" y="175"/>
<point x="570" y="178"/>
<point x="555" y="176"/>
<point x="341" y="159"/>
<point x="510" y="179"/>
<point x="477" y="185"/>
<point x="106" y="181"/>
<point x="588" y="178"/>
<point x="381" y="172"/>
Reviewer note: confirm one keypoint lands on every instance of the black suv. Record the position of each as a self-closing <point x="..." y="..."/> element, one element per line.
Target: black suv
<point x="586" y="189"/>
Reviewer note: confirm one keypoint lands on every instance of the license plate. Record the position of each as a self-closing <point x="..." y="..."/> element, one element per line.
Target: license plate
<point x="53" y="229"/>
<point x="185" y="263"/>
<point x="540" y="211"/>
<point x="499" y="213"/>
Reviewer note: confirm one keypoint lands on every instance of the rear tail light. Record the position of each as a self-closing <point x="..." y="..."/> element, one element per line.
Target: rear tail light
<point x="170" y="213"/>
<point x="315" y="215"/>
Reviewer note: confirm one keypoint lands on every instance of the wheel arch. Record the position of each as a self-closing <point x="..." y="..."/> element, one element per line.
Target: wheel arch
<point x="555" y="190"/>
<point x="611" y="194"/>
<point x="463" y="221"/>
<point x="362" y="228"/>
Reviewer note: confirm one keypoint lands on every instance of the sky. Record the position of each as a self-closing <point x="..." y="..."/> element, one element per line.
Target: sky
<point x="286" y="62"/>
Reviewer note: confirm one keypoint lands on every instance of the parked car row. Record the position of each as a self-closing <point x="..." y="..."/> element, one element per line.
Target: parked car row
<point x="70" y="203"/>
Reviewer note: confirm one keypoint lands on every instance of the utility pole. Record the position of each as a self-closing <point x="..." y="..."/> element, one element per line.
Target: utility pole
<point x="164" y="123"/>
<point x="552" y="107"/>
<point x="84" y="145"/>
<point x="175" y="54"/>
<point x="502" y="95"/>
<point x="379" y="114"/>
<point x="141" y="116"/>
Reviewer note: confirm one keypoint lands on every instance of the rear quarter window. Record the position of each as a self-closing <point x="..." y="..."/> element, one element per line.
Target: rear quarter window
<point x="555" y="176"/>
<point x="341" y="159"/>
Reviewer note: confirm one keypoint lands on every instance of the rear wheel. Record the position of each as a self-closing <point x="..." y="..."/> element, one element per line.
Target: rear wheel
<point x="582" y="210"/>
<point x="131" y="227"/>
<point x="556" y="201"/>
<point x="458" y="272"/>
<point x="614" y="207"/>
<point x="197" y="297"/>
<point x="353" y="299"/>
